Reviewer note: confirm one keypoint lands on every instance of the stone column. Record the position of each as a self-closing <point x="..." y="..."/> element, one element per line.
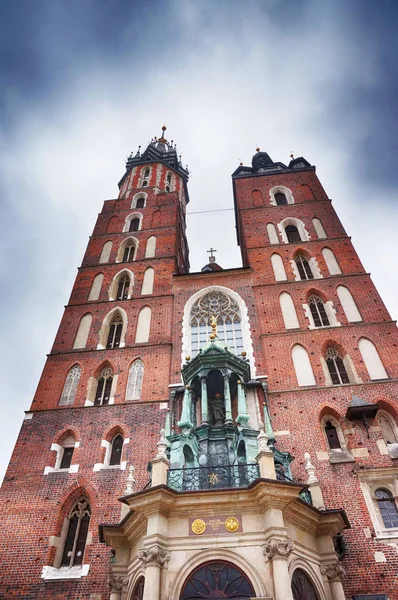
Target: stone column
<point x="153" y="558"/>
<point x="334" y="573"/>
<point x="278" y="551"/>
<point x="185" y="420"/>
<point x="203" y="403"/>
<point x="227" y="401"/>
<point x="243" y="417"/>
<point x="117" y="583"/>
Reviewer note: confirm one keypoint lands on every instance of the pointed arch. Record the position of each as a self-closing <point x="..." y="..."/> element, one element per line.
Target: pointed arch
<point x="288" y="311"/>
<point x="105" y="252"/>
<point x="246" y="341"/>
<point x="278" y="267"/>
<point x="272" y="235"/>
<point x="302" y="366"/>
<point x="388" y="427"/>
<point x="126" y="255"/>
<point x="113" y="225"/>
<point x="71" y="384"/>
<point x="133" y="222"/>
<point x="307" y="192"/>
<point x="156" y="219"/>
<point x="147" y="282"/>
<point x="305" y="266"/>
<point x="105" y="328"/>
<point x="137" y="198"/>
<point x="319" y="229"/>
<point x="257" y="198"/>
<point x="96" y="287"/>
<point x="372" y="360"/>
<point x="150" y="249"/>
<point x="349" y="305"/>
<point x="83" y="332"/>
<point x="331" y="261"/>
<point x="143" y="325"/>
<point x="127" y="291"/>
<point x="135" y="380"/>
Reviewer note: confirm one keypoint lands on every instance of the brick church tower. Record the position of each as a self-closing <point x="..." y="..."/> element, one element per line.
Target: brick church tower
<point x="229" y="433"/>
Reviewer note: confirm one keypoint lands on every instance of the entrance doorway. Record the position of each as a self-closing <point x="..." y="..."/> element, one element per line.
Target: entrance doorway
<point x="217" y="580"/>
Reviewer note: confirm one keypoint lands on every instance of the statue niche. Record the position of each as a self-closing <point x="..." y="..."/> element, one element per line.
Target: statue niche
<point x="215" y="391"/>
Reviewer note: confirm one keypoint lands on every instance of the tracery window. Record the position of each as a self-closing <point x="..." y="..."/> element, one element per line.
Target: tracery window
<point x="123" y="288"/>
<point x="104" y="387"/>
<point x="129" y="252"/>
<point x="336" y="367"/>
<point x="70" y="387"/>
<point x="226" y="312"/>
<point x="115" y="332"/>
<point x="318" y="311"/>
<point x="76" y="537"/>
<point x="387" y="507"/>
<point x="217" y="579"/>
<point x="135" y="380"/>
<point x="303" y="267"/>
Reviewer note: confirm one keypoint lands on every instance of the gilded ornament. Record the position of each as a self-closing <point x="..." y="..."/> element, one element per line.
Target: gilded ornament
<point x="231" y="524"/>
<point x="198" y="526"/>
<point x="213" y="478"/>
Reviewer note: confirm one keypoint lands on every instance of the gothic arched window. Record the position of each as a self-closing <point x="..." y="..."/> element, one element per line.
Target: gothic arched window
<point x="387" y="507"/>
<point x="336" y="367"/>
<point x="318" y="311"/>
<point x="226" y="312"/>
<point x="140" y="203"/>
<point x="116" y="450"/>
<point x="76" y="537"/>
<point x="123" y="288"/>
<point x="70" y="387"/>
<point x="115" y="332"/>
<point x="280" y="198"/>
<point x="129" y="253"/>
<point x="303" y="267"/>
<point x="292" y="234"/>
<point x="135" y="380"/>
<point x="332" y="436"/>
<point x="103" y="393"/>
<point x="134" y="224"/>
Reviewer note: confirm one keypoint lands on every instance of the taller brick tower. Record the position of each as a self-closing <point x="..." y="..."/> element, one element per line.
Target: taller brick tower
<point x="245" y="418"/>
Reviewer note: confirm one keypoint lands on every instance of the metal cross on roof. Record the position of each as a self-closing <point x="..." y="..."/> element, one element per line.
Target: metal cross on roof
<point x="211" y="252"/>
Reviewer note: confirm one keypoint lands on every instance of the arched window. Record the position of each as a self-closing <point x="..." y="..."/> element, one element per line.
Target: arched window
<point x="134" y="224"/>
<point x="317" y="223"/>
<point x="280" y="198"/>
<point x="138" y="591"/>
<point x="227" y="314"/>
<point x="272" y="235"/>
<point x="292" y="234"/>
<point x="217" y="579"/>
<point x="150" y="249"/>
<point x="387" y="507"/>
<point x="348" y="303"/>
<point x="318" y="311"/>
<point x="331" y="262"/>
<point x="147" y="283"/>
<point x="96" y="287"/>
<point x="129" y="253"/>
<point x="302" y="366"/>
<point x="143" y="325"/>
<point x="332" y="436"/>
<point x="135" y="380"/>
<point x="66" y="454"/>
<point x="104" y="387"/>
<point x="288" y="311"/>
<point x="105" y="252"/>
<point x="278" y="267"/>
<point x="388" y="427"/>
<point x="302" y="586"/>
<point x="336" y="367"/>
<point x="140" y="203"/>
<point x="76" y="536"/>
<point x="70" y="386"/>
<point x="83" y="331"/>
<point x="303" y="267"/>
<point x="372" y="359"/>
<point x="116" y="450"/>
<point x="145" y="177"/>
<point x="123" y="288"/>
<point x="115" y="332"/>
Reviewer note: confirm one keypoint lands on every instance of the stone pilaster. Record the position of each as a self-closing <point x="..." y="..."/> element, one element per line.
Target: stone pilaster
<point x="334" y="574"/>
<point x="154" y="558"/>
<point x="278" y="551"/>
<point x="117" y="584"/>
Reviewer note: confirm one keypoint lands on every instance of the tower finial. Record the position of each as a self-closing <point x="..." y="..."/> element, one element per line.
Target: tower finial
<point x="213" y="323"/>
<point x="291" y="154"/>
<point x="257" y="149"/>
<point x="162" y="139"/>
<point x="212" y="258"/>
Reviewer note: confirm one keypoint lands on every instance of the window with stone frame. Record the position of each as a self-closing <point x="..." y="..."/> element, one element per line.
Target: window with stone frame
<point x="292" y="234"/>
<point x="336" y="367"/>
<point x="387" y="507"/>
<point x="380" y="490"/>
<point x="332" y="436"/>
<point x="140" y="203"/>
<point x="280" y="198"/>
<point x="318" y="311"/>
<point x="76" y="536"/>
<point x="115" y="456"/>
<point x="123" y="288"/>
<point x="129" y="253"/>
<point x="115" y="332"/>
<point x="66" y="459"/>
<point x="70" y="386"/>
<point x="134" y="224"/>
<point x="225" y="311"/>
<point x="135" y="380"/>
<point x="303" y="267"/>
<point x="104" y="387"/>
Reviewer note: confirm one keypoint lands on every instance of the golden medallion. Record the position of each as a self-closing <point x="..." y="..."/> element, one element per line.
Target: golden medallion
<point x="198" y="526"/>
<point x="231" y="524"/>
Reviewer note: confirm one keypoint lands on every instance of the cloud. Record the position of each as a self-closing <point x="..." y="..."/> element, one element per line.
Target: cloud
<point x="89" y="81"/>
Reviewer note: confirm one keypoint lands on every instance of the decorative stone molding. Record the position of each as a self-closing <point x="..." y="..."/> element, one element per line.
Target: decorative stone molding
<point x="162" y="445"/>
<point x="130" y="482"/>
<point x="280" y="548"/>
<point x="117" y="582"/>
<point x="154" y="555"/>
<point x="334" y="571"/>
<point x="262" y="439"/>
<point x="309" y="467"/>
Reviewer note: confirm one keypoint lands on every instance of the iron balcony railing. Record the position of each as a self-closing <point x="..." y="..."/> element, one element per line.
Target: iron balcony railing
<point x="210" y="478"/>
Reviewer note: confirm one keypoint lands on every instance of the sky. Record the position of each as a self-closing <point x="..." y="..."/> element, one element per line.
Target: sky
<point x="84" y="82"/>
